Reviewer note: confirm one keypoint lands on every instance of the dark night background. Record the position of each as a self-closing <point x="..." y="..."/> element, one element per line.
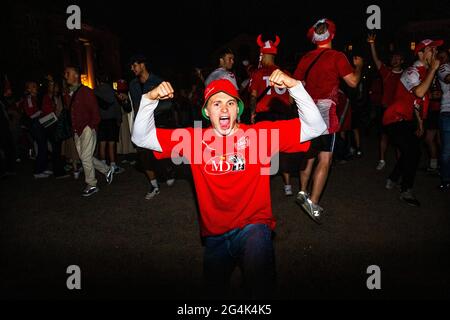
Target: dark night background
<point x="178" y="36"/>
<point x="188" y="32"/>
<point x="182" y="35"/>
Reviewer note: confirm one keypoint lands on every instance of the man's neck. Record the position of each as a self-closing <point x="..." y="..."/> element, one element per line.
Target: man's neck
<point x="74" y="86"/>
<point x="267" y="62"/>
<point x="325" y="46"/>
<point x="144" y="76"/>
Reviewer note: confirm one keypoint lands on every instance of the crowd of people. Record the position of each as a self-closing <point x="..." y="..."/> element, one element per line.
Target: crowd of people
<point x="321" y="109"/>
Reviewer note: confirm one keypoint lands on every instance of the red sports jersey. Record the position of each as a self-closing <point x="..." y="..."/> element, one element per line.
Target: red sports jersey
<point x="323" y="81"/>
<point x="323" y="78"/>
<point x="376" y="91"/>
<point x="230" y="188"/>
<point x="275" y="99"/>
<point x="402" y="108"/>
<point x="390" y="81"/>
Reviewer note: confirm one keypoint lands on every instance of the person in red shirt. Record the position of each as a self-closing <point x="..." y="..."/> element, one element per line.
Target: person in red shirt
<point x="390" y="76"/>
<point x="403" y="118"/>
<point x="271" y="104"/>
<point x="230" y="165"/>
<point x="321" y="69"/>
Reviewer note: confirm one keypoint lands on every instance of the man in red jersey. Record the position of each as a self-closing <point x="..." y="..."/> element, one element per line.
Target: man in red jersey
<point x="403" y="118"/>
<point x="390" y="76"/>
<point x="230" y="164"/>
<point x="271" y="104"/>
<point x="321" y="69"/>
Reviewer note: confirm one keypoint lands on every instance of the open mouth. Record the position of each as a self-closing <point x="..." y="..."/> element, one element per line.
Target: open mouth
<point x="224" y="122"/>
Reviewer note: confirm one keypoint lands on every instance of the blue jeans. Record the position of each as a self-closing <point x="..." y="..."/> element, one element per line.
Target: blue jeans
<point x="251" y="249"/>
<point x="444" y="126"/>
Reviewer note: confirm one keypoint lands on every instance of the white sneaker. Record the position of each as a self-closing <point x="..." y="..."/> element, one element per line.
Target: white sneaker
<point x="313" y="210"/>
<point x="390" y="184"/>
<point x="89" y="191"/>
<point x="288" y="190"/>
<point x="302" y="196"/>
<point x="152" y="193"/>
<point x="40" y="176"/>
<point x="381" y="164"/>
<point x="170" y="182"/>
<point x="109" y="175"/>
<point x="48" y="172"/>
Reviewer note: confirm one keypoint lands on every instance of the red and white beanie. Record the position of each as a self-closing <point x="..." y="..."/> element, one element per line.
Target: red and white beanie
<point x="324" y="38"/>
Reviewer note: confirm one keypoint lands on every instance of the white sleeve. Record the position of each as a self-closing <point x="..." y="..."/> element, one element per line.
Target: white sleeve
<point x="144" y="129"/>
<point x="410" y="78"/>
<point x="443" y="72"/>
<point x="312" y="124"/>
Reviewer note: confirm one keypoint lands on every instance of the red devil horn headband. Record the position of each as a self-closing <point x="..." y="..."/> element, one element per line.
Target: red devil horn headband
<point x="262" y="44"/>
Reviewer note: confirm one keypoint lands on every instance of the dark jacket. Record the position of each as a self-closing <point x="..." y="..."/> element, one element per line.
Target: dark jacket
<point x="111" y="107"/>
<point x="137" y="89"/>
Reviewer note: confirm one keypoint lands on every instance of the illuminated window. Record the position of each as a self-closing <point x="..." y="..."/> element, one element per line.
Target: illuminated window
<point x="85" y="80"/>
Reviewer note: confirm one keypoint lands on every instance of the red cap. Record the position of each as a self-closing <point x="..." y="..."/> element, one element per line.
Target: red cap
<point x="268" y="47"/>
<point x="427" y="43"/>
<point x="222" y="85"/>
<point x="320" y="39"/>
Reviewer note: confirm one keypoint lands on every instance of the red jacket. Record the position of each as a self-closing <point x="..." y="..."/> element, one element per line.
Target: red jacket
<point x="84" y="110"/>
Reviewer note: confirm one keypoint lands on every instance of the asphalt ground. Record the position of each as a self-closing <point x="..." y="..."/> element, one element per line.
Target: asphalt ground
<point x="131" y="248"/>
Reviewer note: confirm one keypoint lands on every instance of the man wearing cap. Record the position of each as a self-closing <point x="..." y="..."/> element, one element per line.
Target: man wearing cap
<point x="230" y="164"/>
<point x="271" y="104"/>
<point x="143" y="83"/>
<point x="404" y="117"/>
<point x="321" y="69"/>
<point x="226" y="62"/>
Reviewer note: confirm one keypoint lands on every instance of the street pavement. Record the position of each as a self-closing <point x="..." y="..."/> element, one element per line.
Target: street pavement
<point x="130" y="248"/>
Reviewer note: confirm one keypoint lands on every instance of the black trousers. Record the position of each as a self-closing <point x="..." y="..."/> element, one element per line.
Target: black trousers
<point x="57" y="161"/>
<point x="403" y="135"/>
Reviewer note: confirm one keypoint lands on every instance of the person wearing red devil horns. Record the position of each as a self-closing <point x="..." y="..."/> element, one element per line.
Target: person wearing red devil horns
<point x="321" y="69"/>
<point x="271" y="103"/>
<point x="230" y="165"/>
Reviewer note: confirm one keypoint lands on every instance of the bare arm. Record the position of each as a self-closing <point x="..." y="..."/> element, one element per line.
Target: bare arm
<point x="373" y="50"/>
<point x="353" y="78"/>
<point x="422" y="88"/>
